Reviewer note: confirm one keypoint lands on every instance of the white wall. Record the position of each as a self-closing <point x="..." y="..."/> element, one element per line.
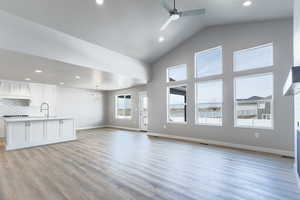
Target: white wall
<point x="129" y="123"/>
<point x="297" y="63"/>
<point x="297" y="33"/>
<point x="86" y="106"/>
<point x="232" y="38"/>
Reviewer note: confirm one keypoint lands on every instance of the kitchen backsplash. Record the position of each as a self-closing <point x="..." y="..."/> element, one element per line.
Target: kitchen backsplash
<point x="18" y="107"/>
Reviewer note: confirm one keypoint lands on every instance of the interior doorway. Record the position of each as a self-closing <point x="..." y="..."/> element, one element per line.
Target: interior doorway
<point x="143" y="111"/>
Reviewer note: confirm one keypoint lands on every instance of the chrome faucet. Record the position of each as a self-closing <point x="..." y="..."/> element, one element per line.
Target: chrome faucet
<point x="45" y="109"/>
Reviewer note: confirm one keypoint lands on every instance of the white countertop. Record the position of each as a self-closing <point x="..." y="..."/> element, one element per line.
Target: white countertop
<point x="26" y="119"/>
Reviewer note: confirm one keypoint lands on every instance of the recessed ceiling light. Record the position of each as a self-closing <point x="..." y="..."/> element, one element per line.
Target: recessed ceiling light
<point x="77" y="77"/>
<point x="38" y="71"/>
<point x="61" y="83"/>
<point x="100" y="2"/>
<point x="247" y="3"/>
<point x="161" y="39"/>
<point x="27" y="79"/>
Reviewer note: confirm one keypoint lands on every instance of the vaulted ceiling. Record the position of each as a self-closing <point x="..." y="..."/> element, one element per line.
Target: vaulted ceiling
<point x="131" y="27"/>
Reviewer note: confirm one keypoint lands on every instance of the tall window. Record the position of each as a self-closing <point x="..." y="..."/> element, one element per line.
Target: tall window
<point x="209" y="94"/>
<point x="177" y="104"/>
<point x="254" y="101"/>
<point x="253" y="58"/>
<point x="177" y="73"/>
<point x="209" y="62"/>
<point x="209" y="102"/>
<point x="123" y="107"/>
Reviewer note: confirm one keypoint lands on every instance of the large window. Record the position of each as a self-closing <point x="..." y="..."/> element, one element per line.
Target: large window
<point x="177" y="104"/>
<point x="123" y="107"/>
<point x="254" y="101"/>
<point x="253" y="58"/>
<point x="209" y="62"/>
<point x="177" y="73"/>
<point x="209" y="102"/>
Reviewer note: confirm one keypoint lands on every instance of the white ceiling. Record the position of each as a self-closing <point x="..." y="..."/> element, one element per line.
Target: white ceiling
<point x="17" y="67"/>
<point x="131" y="27"/>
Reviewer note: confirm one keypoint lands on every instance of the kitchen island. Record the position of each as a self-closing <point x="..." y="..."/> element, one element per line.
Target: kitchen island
<point x="36" y="131"/>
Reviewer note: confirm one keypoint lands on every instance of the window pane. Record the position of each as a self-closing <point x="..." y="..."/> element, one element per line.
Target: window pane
<point x="123" y="106"/>
<point x="253" y="101"/>
<point x="177" y="73"/>
<point x="127" y="106"/>
<point x="177" y="104"/>
<point x="209" y="102"/>
<point x="209" y="62"/>
<point x="253" y="58"/>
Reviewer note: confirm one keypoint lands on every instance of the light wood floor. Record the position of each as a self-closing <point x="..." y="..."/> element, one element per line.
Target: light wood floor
<point x="116" y="165"/>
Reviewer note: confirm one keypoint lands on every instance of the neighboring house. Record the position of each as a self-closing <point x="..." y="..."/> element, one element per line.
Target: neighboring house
<point x="254" y="107"/>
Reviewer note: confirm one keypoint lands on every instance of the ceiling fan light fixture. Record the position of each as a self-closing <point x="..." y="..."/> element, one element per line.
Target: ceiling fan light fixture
<point x="175" y="17"/>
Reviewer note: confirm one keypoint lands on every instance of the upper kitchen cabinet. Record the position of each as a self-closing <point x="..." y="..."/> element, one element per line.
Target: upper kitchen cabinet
<point x="43" y="93"/>
<point x="14" y="90"/>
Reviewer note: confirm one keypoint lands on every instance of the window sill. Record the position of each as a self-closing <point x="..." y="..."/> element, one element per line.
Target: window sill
<point x="255" y="127"/>
<point x="180" y="123"/>
<point x="207" y="124"/>
<point x="123" y="118"/>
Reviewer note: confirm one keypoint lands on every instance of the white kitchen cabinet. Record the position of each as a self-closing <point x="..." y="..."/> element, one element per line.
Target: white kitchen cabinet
<point x="67" y="129"/>
<point x="53" y="131"/>
<point x="36" y="132"/>
<point x="14" y="90"/>
<point x="17" y="136"/>
<point x="41" y="93"/>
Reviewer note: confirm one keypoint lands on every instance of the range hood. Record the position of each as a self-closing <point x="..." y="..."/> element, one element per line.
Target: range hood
<point x="14" y="90"/>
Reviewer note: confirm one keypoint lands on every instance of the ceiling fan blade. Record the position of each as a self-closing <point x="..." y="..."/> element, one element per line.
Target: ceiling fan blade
<point x="166" y="6"/>
<point x="192" y="12"/>
<point x="166" y="24"/>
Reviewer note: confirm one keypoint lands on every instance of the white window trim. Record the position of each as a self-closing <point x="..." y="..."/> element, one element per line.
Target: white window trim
<point x="252" y="48"/>
<point x="272" y="102"/>
<point x="168" y="102"/>
<point x="203" y="51"/>
<point x="116" y="107"/>
<point x="175" y="67"/>
<point x="196" y="95"/>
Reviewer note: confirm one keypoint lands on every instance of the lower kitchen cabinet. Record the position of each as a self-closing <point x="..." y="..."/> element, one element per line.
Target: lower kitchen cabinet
<point x="39" y="132"/>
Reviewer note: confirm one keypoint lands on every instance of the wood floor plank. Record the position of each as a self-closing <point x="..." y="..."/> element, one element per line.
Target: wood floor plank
<point x="111" y="164"/>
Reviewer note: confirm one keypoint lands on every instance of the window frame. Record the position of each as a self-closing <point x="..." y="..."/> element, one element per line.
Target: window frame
<point x="252" y="48"/>
<point x="196" y="97"/>
<point x="168" y="103"/>
<point x="272" y="101"/>
<point x="207" y="50"/>
<point x="116" y="107"/>
<point x="175" y="67"/>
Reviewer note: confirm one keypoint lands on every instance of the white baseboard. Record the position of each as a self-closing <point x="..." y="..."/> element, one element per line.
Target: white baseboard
<point x="226" y="144"/>
<point x="122" y="127"/>
<point x="90" y="127"/>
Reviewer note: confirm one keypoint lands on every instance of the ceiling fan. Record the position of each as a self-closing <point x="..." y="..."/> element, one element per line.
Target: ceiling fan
<point x="175" y="14"/>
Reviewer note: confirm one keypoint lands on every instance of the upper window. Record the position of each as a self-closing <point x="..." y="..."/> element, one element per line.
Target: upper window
<point x="177" y="104"/>
<point x="254" y="101"/>
<point x="177" y="73"/>
<point x="257" y="57"/>
<point x="209" y="102"/>
<point x="123" y="107"/>
<point x="209" y="62"/>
